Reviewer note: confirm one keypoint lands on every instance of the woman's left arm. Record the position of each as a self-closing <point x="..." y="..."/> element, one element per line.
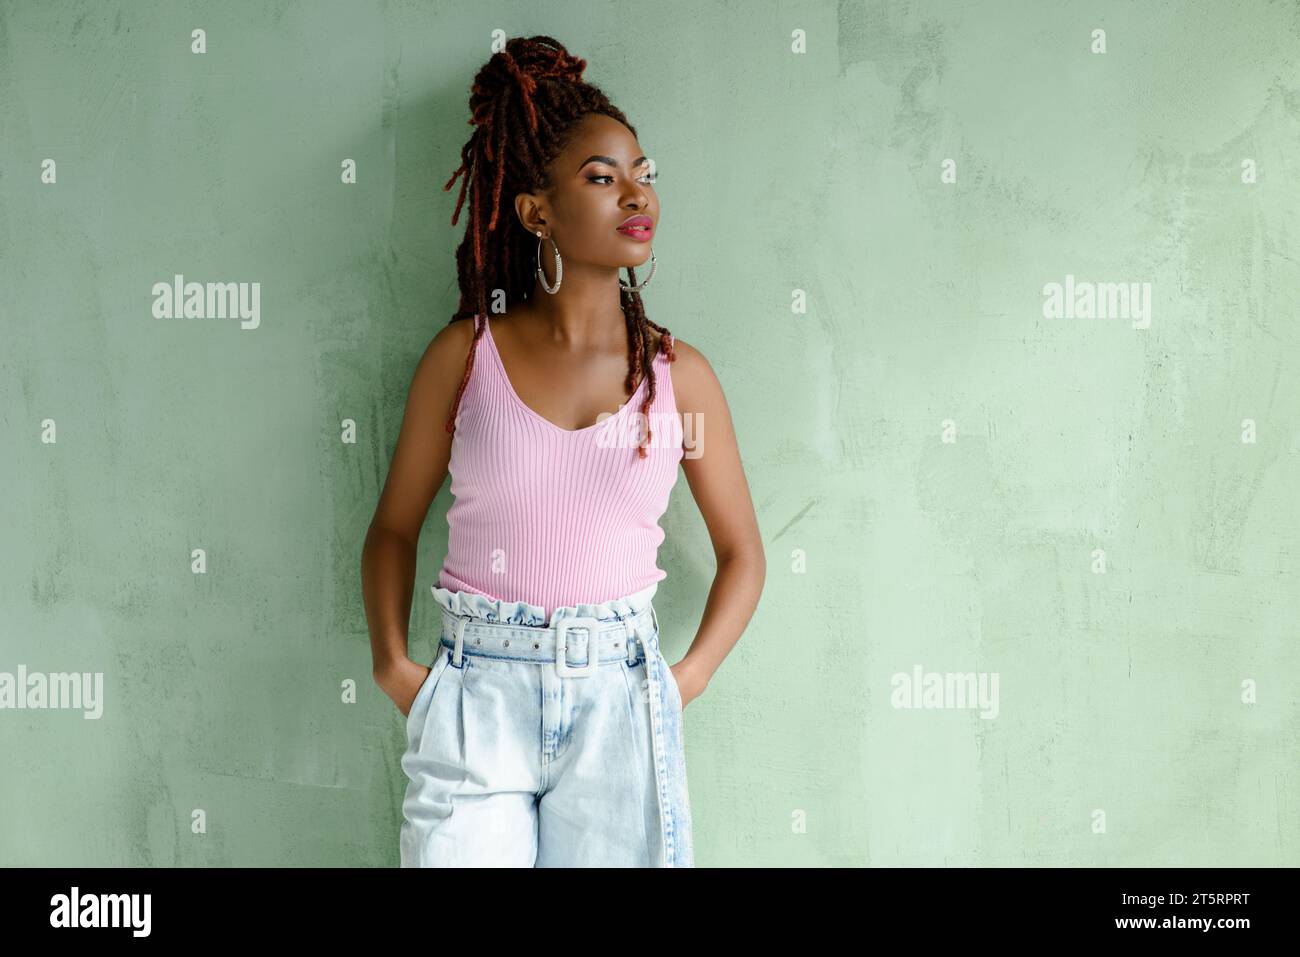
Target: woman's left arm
<point x="711" y="461"/>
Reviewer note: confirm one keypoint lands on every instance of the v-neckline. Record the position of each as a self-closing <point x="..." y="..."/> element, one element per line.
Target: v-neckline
<point x="501" y="367"/>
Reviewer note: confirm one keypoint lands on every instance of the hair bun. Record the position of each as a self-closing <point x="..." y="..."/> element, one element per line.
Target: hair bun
<point x="517" y="70"/>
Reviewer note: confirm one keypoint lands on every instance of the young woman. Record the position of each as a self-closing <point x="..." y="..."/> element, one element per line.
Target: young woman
<point x="547" y="731"/>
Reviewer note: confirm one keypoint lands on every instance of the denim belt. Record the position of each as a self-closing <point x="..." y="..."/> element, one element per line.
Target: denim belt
<point x="567" y="643"/>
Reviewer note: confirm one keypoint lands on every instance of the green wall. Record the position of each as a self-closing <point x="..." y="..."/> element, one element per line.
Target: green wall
<point x="948" y="477"/>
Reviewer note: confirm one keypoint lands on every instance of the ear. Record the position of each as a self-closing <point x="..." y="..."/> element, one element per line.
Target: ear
<point x="530" y="209"/>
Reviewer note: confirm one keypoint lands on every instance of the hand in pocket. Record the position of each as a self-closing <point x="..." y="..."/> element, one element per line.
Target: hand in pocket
<point x="688" y="686"/>
<point x="403" y="687"/>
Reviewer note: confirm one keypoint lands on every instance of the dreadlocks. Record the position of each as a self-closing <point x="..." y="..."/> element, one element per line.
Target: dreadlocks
<point x="526" y="100"/>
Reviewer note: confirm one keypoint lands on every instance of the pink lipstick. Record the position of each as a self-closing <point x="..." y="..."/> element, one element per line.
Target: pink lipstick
<point x="637" y="227"/>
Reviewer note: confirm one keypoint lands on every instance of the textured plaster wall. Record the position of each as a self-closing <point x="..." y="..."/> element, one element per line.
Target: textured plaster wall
<point x="1100" y="513"/>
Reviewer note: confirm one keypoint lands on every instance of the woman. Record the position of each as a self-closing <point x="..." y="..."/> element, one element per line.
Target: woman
<point x="547" y="731"/>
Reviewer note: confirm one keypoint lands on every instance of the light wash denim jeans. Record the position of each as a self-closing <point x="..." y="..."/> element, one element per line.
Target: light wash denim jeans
<point x="526" y="750"/>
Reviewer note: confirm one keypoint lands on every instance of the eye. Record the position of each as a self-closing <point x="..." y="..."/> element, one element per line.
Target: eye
<point x="648" y="178"/>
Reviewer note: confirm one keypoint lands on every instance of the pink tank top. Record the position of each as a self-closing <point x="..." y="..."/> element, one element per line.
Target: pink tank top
<point x="555" y="517"/>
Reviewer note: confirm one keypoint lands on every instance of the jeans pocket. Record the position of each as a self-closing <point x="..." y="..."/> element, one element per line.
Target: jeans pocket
<point x="670" y="681"/>
<point x="420" y="706"/>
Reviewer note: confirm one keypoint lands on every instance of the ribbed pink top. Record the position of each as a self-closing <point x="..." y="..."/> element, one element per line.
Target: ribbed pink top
<point x="555" y="517"/>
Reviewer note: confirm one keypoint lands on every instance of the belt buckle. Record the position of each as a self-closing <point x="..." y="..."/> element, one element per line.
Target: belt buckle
<point x="562" y="666"/>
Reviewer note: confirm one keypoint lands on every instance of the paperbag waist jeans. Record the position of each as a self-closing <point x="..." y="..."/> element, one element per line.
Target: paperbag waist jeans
<point x="546" y="745"/>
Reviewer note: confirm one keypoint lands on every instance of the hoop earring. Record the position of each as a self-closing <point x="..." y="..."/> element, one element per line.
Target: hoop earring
<point x="644" y="282"/>
<point x="559" y="266"/>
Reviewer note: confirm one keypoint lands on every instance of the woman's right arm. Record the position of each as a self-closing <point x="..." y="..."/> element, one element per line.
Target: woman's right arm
<point x="417" y="471"/>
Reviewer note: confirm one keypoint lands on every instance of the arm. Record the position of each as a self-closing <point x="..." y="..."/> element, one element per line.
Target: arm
<point x="717" y="480"/>
<point x="418" y="469"/>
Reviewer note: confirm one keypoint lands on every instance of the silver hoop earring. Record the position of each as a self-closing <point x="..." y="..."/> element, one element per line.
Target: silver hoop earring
<point x="644" y="282"/>
<point x="559" y="266"/>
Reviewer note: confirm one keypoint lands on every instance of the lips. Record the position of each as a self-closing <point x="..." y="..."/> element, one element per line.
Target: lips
<point x="638" y="227"/>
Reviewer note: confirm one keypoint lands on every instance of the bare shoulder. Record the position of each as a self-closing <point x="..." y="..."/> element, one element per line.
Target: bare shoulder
<point x="451" y="342"/>
<point x="419" y="464"/>
<point x="442" y="366"/>
<point x="694" y="383"/>
<point x="450" y="347"/>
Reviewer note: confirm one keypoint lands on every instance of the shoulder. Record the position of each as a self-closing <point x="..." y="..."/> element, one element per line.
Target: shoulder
<point x="694" y="381"/>
<point x="441" y="368"/>
<point x="450" y="347"/>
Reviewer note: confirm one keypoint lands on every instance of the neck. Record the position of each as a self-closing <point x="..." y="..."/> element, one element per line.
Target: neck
<point x="583" y="313"/>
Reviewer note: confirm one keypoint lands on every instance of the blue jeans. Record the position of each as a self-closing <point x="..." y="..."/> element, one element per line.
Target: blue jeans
<point x="525" y="749"/>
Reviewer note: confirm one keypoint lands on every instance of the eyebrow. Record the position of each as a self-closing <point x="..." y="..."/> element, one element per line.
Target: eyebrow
<point x="609" y="161"/>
